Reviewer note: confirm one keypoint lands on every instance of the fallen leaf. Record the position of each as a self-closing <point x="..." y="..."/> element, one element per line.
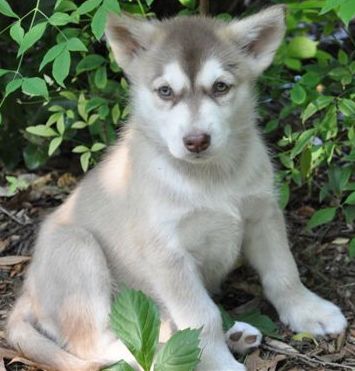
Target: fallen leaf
<point x="13" y="259"/>
<point x="4" y="244"/>
<point x="277" y="344"/>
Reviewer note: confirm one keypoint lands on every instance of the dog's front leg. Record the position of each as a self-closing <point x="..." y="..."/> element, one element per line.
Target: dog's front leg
<point x="267" y="249"/>
<point x="178" y="285"/>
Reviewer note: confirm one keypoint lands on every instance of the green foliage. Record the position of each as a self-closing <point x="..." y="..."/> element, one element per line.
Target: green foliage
<point x="70" y="96"/>
<point x="135" y="320"/>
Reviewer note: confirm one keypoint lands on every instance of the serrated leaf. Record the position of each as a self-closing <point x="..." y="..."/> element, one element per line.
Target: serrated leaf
<point x="85" y="160"/>
<point x="101" y="77"/>
<point x="59" y="19"/>
<point x="76" y="45"/>
<point x="350" y="200"/>
<point x="321" y="217"/>
<point x="88" y="6"/>
<point x="51" y="54"/>
<point x="120" y="366"/>
<point x="302" y="47"/>
<point x="35" y="86"/>
<point x="298" y="94"/>
<point x="135" y="320"/>
<point x="17" y="32"/>
<point x="89" y="63"/>
<point x="61" y="67"/>
<point x="54" y="145"/>
<point x="42" y="131"/>
<point x="180" y="353"/>
<point x="12" y="86"/>
<point x="5" y="9"/>
<point x="31" y="37"/>
<point x="98" y="22"/>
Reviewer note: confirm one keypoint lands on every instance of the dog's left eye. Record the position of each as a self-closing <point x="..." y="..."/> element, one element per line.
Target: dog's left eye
<point x="220" y="88"/>
<point x="165" y="92"/>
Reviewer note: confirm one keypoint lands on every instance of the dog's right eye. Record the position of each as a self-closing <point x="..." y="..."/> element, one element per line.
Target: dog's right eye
<point x="165" y="92"/>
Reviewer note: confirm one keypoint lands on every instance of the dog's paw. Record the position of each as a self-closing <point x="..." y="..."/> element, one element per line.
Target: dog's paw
<point x="242" y="337"/>
<point x="310" y="313"/>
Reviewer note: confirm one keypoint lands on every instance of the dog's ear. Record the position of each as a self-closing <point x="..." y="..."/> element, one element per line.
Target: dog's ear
<point x="259" y="36"/>
<point x="128" y="36"/>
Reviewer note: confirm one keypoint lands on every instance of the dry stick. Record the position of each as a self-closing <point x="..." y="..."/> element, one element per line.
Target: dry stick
<point x="304" y="358"/>
<point x="204" y="7"/>
<point x="11" y="216"/>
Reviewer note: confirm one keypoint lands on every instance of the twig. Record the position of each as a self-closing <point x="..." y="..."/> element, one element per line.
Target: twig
<point x="11" y="216"/>
<point x="204" y="7"/>
<point x="304" y="358"/>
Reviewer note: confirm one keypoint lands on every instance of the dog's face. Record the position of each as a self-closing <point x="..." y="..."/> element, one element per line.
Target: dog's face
<point x="192" y="77"/>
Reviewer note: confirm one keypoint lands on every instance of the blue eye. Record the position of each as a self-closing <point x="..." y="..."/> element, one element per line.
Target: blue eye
<point x="165" y="92"/>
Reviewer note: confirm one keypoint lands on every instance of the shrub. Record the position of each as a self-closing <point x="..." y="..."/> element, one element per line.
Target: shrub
<point x="63" y="93"/>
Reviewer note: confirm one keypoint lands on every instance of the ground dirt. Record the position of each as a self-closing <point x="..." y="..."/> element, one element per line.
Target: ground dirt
<point x="322" y="258"/>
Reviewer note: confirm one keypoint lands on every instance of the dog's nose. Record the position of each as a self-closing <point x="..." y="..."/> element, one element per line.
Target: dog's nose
<point x="197" y="142"/>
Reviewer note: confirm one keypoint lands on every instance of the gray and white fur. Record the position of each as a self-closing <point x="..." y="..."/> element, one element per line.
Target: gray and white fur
<point x="172" y="206"/>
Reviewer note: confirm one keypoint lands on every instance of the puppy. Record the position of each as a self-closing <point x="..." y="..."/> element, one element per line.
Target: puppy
<point x="170" y="208"/>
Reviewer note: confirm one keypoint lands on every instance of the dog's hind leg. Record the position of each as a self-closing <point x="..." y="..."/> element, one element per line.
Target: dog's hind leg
<point x="61" y="320"/>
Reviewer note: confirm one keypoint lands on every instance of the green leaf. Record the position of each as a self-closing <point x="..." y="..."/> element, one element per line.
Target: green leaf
<point x="51" y="54"/>
<point x="31" y="37"/>
<point x="60" y="125"/>
<point x="343" y="57"/>
<point x="34" y="156"/>
<point x="260" y="321"/>
<point x="180" y="353"/>
<point x="352" y="248"/>
<point x="116" y="113"/>
<point x="98" y="147"/>
<point x="35" y="86"/>
<point x="305" y="162"/>
<point x="304" y="335"/>
<point x="101" y="77"/>
<point x="191" y="4"/>
<point x="112" y="6"/>
<point x="3" y="72"/>
<point x="350" y="200"/>
<point x="293" y="64"/>
<point x="54" y="144"/>
<point x="76" y="45"/>
<point x="5" y="9"/>
<point x="120" y="366"/>
<point x="81" y="149"/>
<point x="17" y="32"/>
<point x="315" y="106"/>
<point x="227" y="319"/>
<point x="98" y="22"/>
<point x="90" y="63"/>
<point x="347" y="107"/>
<point x="301" y="142"/>
<point x="149" y="2"/>
<point x="135" y="320"/>
<point x="12" y="86"/>
<point x="59" y="19"/>
<point x="284" y="195"/>
<point x="61" y="67"/>
<point x="346" y="11"/>
<point x="42" y="131"/>
<point x="302" y="47"/>
<point x="79" y="125"/>
<point x="321" y="216"/>
<point x="88" y="6"/>
<point x="298" y="94"/>
<point x="85" y="160"/>
<point x="330" y="5"/>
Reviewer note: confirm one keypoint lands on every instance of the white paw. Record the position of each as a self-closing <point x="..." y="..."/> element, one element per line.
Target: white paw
<point x="243" y="337"/>
<point x="310" y="313"/>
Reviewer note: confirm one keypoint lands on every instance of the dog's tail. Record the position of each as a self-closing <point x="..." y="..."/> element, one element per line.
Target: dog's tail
<point x="25" y="338"/>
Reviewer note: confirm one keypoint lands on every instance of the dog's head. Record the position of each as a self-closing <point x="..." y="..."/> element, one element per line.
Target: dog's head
<point x="192" y="77"/>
